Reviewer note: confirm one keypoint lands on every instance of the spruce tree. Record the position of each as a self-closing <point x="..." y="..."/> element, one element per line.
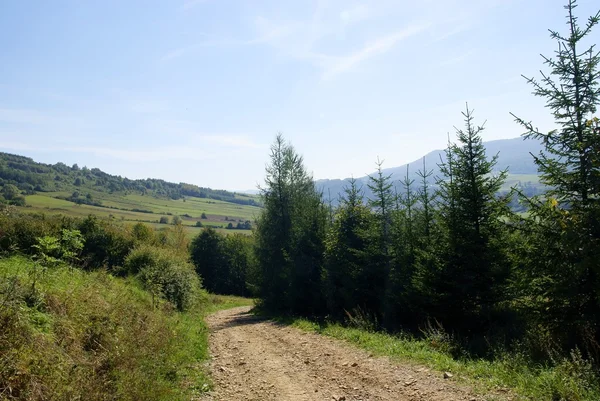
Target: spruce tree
<point x="563" y="241"/>
<point x="474" y="262"/>
<point x="289" y="234"/>
<point x="383" y="203"/>
<point x="351" y="273"/>
<point x="425" y="198"/>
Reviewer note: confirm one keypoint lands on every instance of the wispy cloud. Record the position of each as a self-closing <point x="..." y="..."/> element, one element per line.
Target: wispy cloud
<point x="379" y="46"/>
<point x="355" y="14"/>
<point x="299" y="39"/>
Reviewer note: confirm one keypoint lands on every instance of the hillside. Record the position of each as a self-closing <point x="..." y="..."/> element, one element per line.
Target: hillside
<point x="513" y="154"/>
<point x="77" y="191"/>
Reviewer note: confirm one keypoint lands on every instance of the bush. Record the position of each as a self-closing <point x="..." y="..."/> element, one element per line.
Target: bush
<point x="90" y="336"/>
<point x="164" y="220"/>
<point x="142" y="233"/>
<point x="20" y="232"/>
<point x="166" y="274"/>
<point x="106" y="244"/>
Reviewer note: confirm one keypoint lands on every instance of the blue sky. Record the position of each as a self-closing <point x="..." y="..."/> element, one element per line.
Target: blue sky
<point x="195" y="91"/>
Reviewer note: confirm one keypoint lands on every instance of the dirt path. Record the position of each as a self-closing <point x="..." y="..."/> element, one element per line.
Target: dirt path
<point x="255" y="359"/>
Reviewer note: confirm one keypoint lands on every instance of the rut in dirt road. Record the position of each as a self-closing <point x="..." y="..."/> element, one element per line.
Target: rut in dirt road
<point x="257" y="359"/>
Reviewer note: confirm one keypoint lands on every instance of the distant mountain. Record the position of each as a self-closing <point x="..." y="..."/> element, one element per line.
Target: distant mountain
<point x="513" y="154"/>
<point x="249" y="191"/>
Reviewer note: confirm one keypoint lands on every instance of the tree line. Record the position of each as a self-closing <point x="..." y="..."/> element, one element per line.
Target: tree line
<point x="31" y="177"/>
<point x="454" y="255"/>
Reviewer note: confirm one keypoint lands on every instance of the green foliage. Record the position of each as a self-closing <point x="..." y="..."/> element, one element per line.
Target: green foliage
<point x="164" y="220"/>
<point x="106" y="244"/>
<point x="10" y="192"/>
<point x="21" y="232"/>
<point x="560" y="281"/>
<point x="165" y="274"/>
<point x="91" y="336"/>
<point x="474" y="259"/>
<point x="221" y="261"/>
<point x="353" y="276"/>
<point x="51" y="250"/>
<point x="143" y="233"/>
<point x="290" y="234"/>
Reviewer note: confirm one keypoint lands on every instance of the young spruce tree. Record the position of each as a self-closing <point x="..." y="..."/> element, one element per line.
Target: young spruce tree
<point x="474" y="265"/>
<point x="351" y="274"/>
<point x="563" y="248"/>
<point x="290" y="235"/>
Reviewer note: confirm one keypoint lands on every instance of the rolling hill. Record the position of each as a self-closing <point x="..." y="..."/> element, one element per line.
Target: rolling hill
<point x="76" y="191"/>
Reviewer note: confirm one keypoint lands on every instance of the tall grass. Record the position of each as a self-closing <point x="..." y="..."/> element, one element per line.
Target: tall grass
<point x="70" y="334"/>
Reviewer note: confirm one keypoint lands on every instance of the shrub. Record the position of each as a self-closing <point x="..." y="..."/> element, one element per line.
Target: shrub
<point x="142" y="233"/>
<point x="106" y="244"/>
<point x="90" y="336"/>
<point x="166" y="274"/>
<point x="20" y="232"/>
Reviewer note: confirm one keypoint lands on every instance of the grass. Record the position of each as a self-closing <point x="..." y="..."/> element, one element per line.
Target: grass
<point x="70" y="334"/>
<point x="123" y="207"/>
<point x="221" y="302"/>
<point x="571" y="379"/>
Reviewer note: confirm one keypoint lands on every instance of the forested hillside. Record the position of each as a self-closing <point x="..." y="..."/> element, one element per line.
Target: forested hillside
<point x="79" y="192"/>
<point x="32" y="177"/>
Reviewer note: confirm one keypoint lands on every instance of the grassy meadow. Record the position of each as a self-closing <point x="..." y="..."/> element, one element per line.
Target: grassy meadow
<point x="70" y="334"/>
<point x="148" y="209"/>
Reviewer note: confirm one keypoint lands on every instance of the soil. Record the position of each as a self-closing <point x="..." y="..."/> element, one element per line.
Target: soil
<point x="258" y="359"/>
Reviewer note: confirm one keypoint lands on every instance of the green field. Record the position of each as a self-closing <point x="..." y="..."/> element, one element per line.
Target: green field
<point x="148" y="209"/>
<point x="523" y="179"/>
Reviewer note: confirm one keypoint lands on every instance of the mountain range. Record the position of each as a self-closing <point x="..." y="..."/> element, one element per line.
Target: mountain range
<point x="515" y="155"/>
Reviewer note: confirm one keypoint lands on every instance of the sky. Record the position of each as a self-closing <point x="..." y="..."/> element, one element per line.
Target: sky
<point x="195" y="91"/>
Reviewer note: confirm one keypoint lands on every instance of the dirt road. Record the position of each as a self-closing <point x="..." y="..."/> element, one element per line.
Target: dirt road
<point x="256" y="359"/>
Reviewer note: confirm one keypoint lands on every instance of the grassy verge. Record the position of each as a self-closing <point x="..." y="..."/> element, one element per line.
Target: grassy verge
<point x="70" y="334"/>
<point x="221" y="302"/>
<point x="568" y="379"/>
